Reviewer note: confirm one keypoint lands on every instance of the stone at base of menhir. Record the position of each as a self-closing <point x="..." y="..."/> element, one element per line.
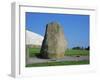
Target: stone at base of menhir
<point x="52" y="56"/>
<point x="56" y="56"/>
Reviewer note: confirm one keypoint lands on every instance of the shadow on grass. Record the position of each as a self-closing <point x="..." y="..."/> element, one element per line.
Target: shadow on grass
<point x="39" y="55"/>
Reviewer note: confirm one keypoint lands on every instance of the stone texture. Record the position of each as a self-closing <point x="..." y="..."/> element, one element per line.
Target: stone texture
<point x="54" y="43"/>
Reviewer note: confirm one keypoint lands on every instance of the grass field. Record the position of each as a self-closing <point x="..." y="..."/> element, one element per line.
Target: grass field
<point x="71" y="52"/>
<point x="34" y="51"/>
<point x="57" y="63"/>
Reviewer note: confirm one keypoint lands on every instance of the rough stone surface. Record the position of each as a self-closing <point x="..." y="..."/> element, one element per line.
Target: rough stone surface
<point x="54" y="43"/>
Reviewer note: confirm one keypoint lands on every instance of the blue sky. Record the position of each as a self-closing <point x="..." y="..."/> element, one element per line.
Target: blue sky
<point x="76" y="27"/>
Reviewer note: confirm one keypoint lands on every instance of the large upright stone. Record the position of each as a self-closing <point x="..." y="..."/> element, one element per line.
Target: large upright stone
<point x="54" y="43"/>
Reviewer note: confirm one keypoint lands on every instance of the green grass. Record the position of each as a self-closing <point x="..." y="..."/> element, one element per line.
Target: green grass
<point x="34" y="51"/>
<point x="71" y="52"/>
<point x="57" y="63"/>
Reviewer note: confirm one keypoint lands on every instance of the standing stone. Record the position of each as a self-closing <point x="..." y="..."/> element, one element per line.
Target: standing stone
<point x="54" y="43"/>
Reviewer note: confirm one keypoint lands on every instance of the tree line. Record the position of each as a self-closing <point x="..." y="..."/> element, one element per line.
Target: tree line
<point x="81" y="48"/>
